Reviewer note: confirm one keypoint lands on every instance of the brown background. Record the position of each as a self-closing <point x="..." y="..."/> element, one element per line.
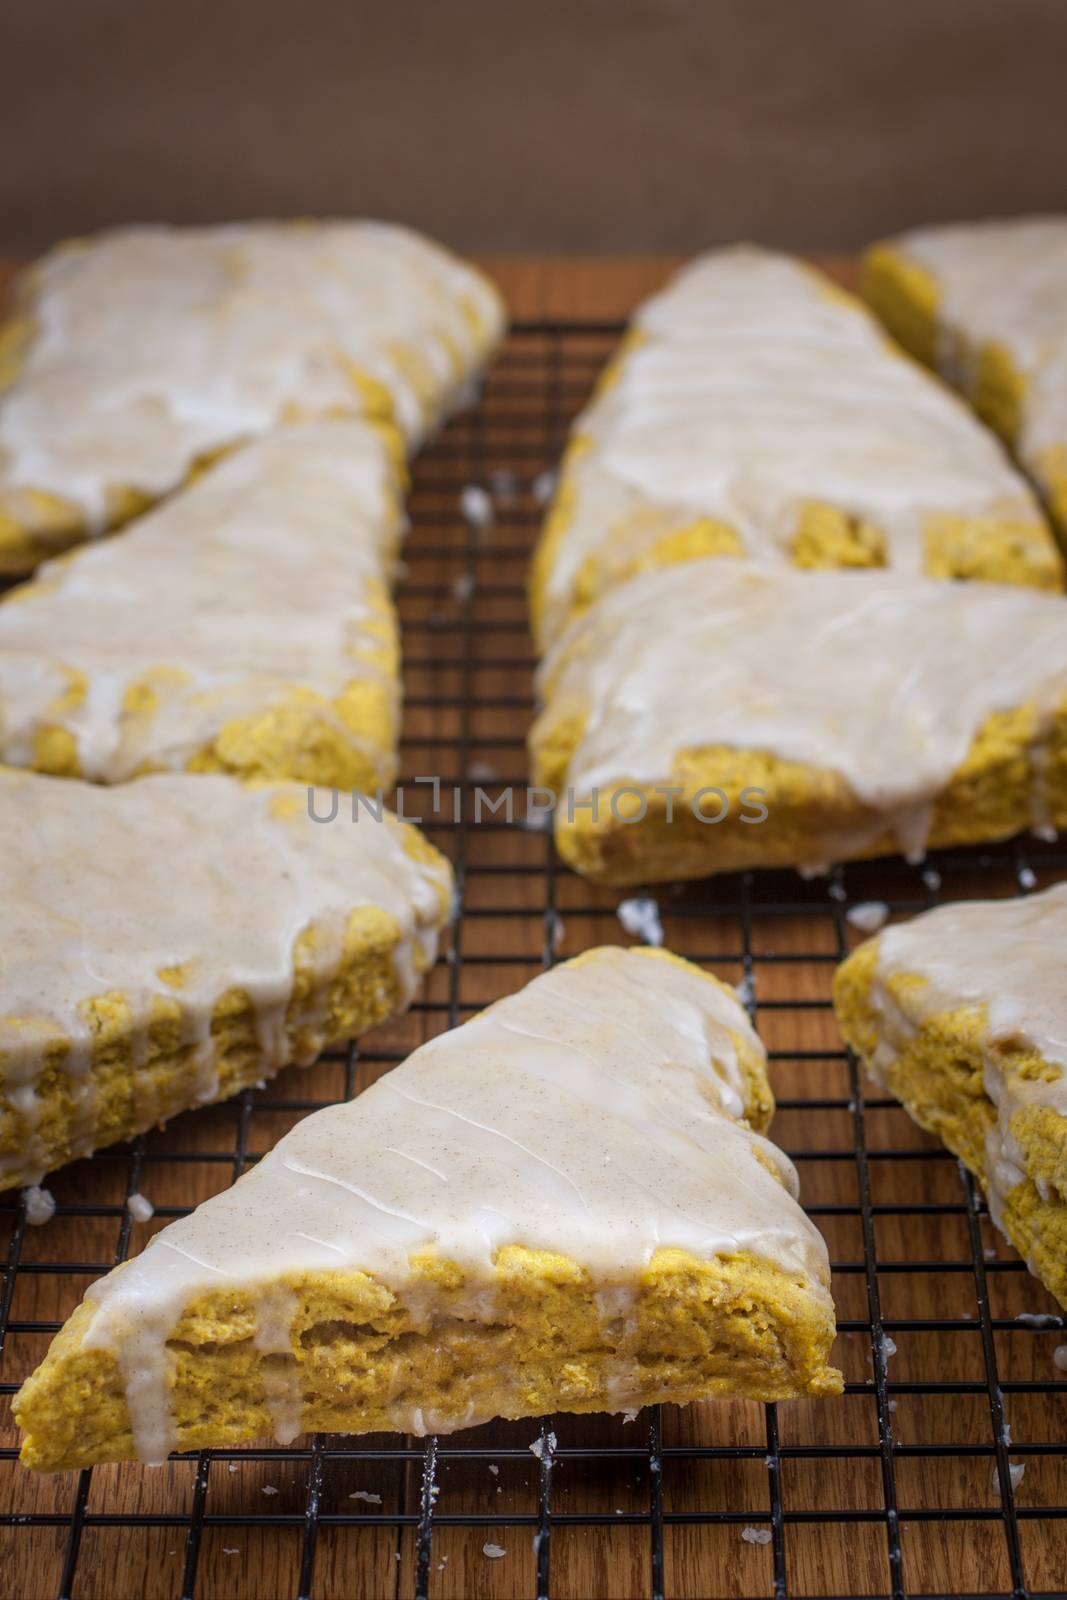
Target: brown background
<point x="534" y="125"/>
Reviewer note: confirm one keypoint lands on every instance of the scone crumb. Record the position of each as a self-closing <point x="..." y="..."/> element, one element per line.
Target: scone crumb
<point x="40" y="1205"/>
<point x="868" y="916"/>
<point x="640" y="916"/>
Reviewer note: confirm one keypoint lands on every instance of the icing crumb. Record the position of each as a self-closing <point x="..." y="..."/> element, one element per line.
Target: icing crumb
<point x="537" y="1448"/>
<point x="140" y="1208"/>
<point x="1027" y="878"/>
<point x="745" y="990"/>
<point x="476" y="505"/>
<point x="1039" y="1319"/>
<point x="481" y="771"/>
<point x="756" y="1535"/>
<point x="555" y="931"/>
<point x="231" y="1550"/>
<point x="868" y="916"/>
<point x="232" y="1467"/>
<point x="837" y="891"/>
<point x="40" y="1205"/>
<point x="631" y="1416"/>
<point x="493" y="1551"/>
<point x="494" y="1469"/>
<point x="464" y="586"/>
<point x="268" y="1488"/>
<point x="543" y="487"/>
<point x="888" y="1347"/>
<point x="932" y="879"/>
<point x="1059" y="1356"/>
<point x="1015" y="1473"/>
<point x="640" y="916"/>
<point x="365" y="1494"/>
<point x="1046" y="833"/>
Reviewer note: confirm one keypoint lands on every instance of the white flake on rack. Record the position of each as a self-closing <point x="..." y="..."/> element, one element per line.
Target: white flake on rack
<point x="1015" y="1473"/>
<point x="756" y="1535"/>
<point x="40" y="1205"/>
<point x="493" y="1551"/>
<point x="476" y="506"/>
<point x="140" y="1208"/>
<point x="868" y="916"/>
<point x="639" y="915"/>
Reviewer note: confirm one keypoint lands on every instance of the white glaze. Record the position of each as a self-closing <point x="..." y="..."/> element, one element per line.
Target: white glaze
<point x="101" y="889"/>
<point x="1004" y="282"/>
<point x="883" y="678"/>
<point x="155" y="345"/>
<point x="755" y="388"/>
<point x="593" y="1114"/>
<point x="1006" y="958"/>
<point x="247" y="586"/>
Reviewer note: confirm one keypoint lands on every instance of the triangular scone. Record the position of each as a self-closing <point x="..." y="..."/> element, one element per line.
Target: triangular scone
<point x="756" y="409"/>
<point x="962" y="1014"/>
<point x="986" y="303"/>
<point x="557" y="1206"/>
<point x="245" y="626"/>
<point x="136" y="355"/>
<point x="171" y="941"/>
<point x="722" y="715"/>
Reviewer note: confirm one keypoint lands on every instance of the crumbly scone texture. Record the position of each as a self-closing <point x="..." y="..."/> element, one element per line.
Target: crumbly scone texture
<point x="989" y="797"/>
<point x="754" y="409"/>
<point x="121" y="1011"/>
<point x="937" y="1066"/>
<point x="245" y="626"/>
<point x="1014" y="376"/>
<point x="132" y="359"/>
<point x="696" y="1330"/>
<point x="721" y="716"/>
<point x="541" y="1331"/>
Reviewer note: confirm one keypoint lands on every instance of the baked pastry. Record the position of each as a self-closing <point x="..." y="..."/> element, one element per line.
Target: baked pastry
<point x="756" y="409"/>
<point x="725" y="715"/>
<point x="986" y="304"/>
<point x="962" y="1015"/>
<point x="557" y="1206"/>
<point x="171" y="941"/>
<point x="135" y="356"/>
<point x="245" y="626"/>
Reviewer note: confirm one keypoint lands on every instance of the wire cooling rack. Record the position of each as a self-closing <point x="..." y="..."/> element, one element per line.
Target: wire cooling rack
<point x="908" y="1485"/>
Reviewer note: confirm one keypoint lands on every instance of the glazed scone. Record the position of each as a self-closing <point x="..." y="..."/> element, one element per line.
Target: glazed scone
<point x="756" y="409"/>
<point x="724" y="715"/>
<point x="135" y="356"/>
<point x="171" y="941"/>
<point x="561" y="1205"/>
<point x="245" y="626"/>
<point x="962" y="1015"/>
<point x="986" y="303"/>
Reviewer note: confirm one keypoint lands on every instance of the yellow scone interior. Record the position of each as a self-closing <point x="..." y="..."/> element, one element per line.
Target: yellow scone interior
<point x="724" y="714"/>
<point x="134" y="356"/>
<point x="564" y="1204"/>
<point x="245" y="626"/>
<point x="757" y="410"/>
<point x="986" y="303"/>
<point x="173" y="940"/>
<point x="962" y="1014"/>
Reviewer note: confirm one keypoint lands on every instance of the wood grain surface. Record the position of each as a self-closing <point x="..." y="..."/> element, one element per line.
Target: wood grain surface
<point x="888" y="1489"/>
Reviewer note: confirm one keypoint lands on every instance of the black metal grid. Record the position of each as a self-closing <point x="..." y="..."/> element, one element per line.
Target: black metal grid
<point x="854" y="1501"/>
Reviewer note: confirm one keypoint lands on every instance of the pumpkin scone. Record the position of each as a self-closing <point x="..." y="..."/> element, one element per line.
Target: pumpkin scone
<point x="962" y="1015"/>
<point x="135" y="356"/>
<point x="756" y="409"/>
<point x="986" y="304"/>
<point x="173" y="940"/>
<point x="564" y="1204"/>
<point x="722" y="715"/>
<point x="245" y="626"/>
